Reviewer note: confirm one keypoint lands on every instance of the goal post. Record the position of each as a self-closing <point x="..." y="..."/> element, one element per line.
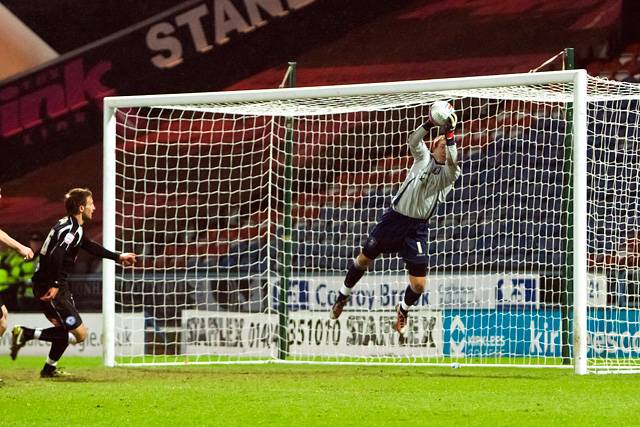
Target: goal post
<point x="195" y="183"/>
<point x="579" y="226"/>
<point x="109" y="235"/>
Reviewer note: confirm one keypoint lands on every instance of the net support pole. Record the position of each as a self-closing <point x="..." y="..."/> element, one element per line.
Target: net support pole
<point x="108" y="235"/>
<point x="283" y="348"/>
<point x="580" y="278"/>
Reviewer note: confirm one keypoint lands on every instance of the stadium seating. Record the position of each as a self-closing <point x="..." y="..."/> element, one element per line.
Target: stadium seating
<point x="505" y="208"/>
<point x="623" y="67"/>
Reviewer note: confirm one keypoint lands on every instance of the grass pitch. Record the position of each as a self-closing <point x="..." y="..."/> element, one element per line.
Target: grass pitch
<point x="303" y="395"/>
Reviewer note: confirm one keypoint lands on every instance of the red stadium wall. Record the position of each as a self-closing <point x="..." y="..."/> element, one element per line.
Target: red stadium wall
<point x="51" y="118"/>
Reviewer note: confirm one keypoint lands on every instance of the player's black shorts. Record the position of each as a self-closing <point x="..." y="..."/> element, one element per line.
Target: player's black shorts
<point x="398" y="233"/>
<point x="61" y="311"/>
<point x="1" y="304"/>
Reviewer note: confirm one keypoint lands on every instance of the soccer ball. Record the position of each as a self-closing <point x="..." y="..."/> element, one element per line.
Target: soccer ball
<point x="440" y="111"/>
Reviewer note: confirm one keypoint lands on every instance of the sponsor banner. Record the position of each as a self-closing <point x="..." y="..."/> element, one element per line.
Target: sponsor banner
<point x="129" y="335"/>
<point x="502" y="333"/>
<point x="318" y="293"/>
<point x="312" y="334"/>
<point x="453" y="333"/>
<point x="229" y="334"/>
<point x="365" y="334"/>
<point x="613" y="333"/>
<point x="197" y="46"/>
<point x="518" y="289"/>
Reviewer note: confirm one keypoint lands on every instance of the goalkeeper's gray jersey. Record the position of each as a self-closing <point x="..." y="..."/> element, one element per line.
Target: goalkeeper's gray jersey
<point x="428" y="182"/>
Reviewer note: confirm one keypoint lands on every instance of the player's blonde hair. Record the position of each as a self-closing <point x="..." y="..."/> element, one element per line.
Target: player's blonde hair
<point x="438" y="140"/>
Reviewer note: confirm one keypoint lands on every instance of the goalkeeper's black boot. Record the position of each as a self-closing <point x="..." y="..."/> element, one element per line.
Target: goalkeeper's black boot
<point x="338" y="306"/>
<point x="17" y="341"/>
<point x="401" y="320"/>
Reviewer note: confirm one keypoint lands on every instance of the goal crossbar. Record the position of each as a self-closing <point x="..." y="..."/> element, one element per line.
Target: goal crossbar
<point x="435" y="85"/>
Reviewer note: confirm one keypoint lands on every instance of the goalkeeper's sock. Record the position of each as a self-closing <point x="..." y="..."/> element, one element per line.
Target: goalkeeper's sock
<point x="345" y="291"/>
<point x="410" y="298"/>
<point x="354" y="274"/>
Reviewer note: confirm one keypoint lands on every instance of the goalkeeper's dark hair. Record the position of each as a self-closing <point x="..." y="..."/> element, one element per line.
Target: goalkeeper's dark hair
<point x="75" y="198"/>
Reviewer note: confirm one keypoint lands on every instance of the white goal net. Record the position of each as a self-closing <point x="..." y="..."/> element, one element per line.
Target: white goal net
<point x="247" y="207"/>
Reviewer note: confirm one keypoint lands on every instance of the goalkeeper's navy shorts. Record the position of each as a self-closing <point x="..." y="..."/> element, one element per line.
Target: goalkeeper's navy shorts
<point x="61" y="311"/>
<point x="397" y="233"/>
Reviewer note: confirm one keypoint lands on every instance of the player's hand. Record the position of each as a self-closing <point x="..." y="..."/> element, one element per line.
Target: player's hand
<point x="51" y="294"/>
<point x="128" y="259"/>
<point x="25" y="252"/>
<point x="451" y="122"/>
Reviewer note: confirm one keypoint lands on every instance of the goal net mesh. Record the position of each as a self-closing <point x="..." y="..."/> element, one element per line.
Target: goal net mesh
<point x="246" y="216"/>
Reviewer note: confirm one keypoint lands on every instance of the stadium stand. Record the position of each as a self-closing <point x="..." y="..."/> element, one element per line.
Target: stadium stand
<point x="622" y="67"/>
<point x="318" y="227"/>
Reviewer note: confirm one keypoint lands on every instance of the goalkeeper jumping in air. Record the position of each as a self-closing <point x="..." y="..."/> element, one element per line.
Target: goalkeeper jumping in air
<point x="404" y="225"/>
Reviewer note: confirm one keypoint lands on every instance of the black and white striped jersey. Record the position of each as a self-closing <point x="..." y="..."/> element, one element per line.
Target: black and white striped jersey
<point x="60" y="250"/>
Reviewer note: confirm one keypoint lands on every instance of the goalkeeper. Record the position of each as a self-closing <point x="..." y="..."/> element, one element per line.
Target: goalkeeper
<point x="404" y="225"/>
<point x="57" y="257"/>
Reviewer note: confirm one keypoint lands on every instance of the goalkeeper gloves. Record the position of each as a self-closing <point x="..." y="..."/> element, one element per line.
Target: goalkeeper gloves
<point x="450" y="126"/>
<point x="451" y="123"/>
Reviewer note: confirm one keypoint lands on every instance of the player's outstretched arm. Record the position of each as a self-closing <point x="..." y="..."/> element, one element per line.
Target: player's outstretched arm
<point x="452" y="170"/>
<point x="23" y="250"/>
<point x="418" y="149"/>
<point x="96" y="249"/>
<point x="450" y="136"/>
